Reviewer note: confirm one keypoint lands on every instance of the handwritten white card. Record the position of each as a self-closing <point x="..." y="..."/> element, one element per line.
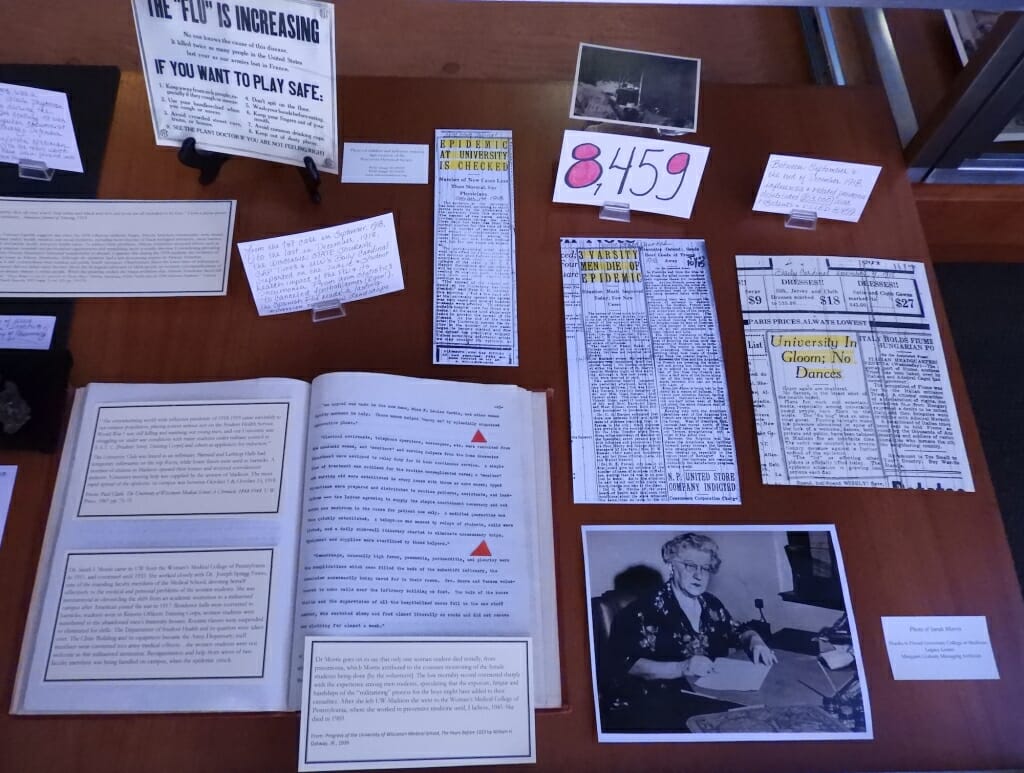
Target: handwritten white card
<point x="939" y="647"/>
<point x="835" y="190"/>
<point x="649" y="175"/>
<point x="35" y="125"/>
<point x="375" y="162"/>
<point x="373" y="703"/>
<point x="342" y="263"/>
<point x="7" y="475"/>
<point x="26" y="331"/>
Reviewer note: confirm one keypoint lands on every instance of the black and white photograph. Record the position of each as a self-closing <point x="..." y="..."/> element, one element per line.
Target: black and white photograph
<point x="723" y="633"/>
<point x="638" y="88"/>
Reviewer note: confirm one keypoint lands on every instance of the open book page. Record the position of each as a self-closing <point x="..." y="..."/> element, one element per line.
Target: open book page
<point x="167" y="575"/>
<point x="427" y="513"/>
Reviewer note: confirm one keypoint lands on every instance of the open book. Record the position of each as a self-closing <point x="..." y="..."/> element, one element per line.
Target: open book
<point x="199" y="532"/>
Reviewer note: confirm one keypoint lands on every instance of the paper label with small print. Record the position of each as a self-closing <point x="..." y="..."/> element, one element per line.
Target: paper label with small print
<point x="378" y="162"/>
<point x="834" y="190"/>
<point x="939" y="648"/>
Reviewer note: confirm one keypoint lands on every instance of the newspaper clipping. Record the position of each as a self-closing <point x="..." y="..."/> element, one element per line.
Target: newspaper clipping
<point x="649" y="408"/>
<point x="474" y="249"/>
<point x="848" y="376"/>
<point x="254" y="79"/>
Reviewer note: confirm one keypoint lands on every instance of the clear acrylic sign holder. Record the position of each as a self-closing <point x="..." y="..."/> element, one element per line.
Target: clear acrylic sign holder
<point x="616" y="211"/>
<point x="327" y="310"/>
<point x="34" y="170"/>
<point x="802" y="220"/>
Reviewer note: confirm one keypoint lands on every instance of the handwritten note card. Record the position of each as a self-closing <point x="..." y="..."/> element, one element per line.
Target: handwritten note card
<point x="24" y="331"/>
<point x="373" y="162"/>
<point x="415" y="702"/>
<point x="649" y="175"/>
<point x="35" y="125"/>
<point x="939" y="648"/>
<point x="832" y="189"/>
<point x="342" y="263"/>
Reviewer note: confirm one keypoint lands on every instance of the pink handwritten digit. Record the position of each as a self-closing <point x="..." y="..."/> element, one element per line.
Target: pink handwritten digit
<point x="586" y="171"/>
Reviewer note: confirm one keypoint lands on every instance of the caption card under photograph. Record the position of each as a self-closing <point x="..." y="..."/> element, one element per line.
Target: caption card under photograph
<point x="8" y="473"/>
<point x="375" y="703"/>
<point x="637" y="88"/>
<point x="35" y="125"/>
<point x="833" y="190"/>
<point x="939" y="647"/>
<point x="26" y="331"/>
<point x="723" y="633"/>
<point x="647" y="175"/>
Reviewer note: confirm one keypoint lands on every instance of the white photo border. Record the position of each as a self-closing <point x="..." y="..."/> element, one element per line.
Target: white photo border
<point x="675" y="129"/>
<point x="603" y="737"/>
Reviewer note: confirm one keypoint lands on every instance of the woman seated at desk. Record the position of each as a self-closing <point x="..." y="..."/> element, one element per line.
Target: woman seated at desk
<point x="670" y="636"/>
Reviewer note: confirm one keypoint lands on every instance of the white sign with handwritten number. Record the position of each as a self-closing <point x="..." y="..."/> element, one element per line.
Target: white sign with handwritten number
<point x="649" y="175"/>
<point x="338" y="264"/>
<point x="835" y="190"/>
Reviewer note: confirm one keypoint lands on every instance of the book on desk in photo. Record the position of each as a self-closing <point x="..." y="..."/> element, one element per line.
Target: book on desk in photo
<point x="199" y="532"/>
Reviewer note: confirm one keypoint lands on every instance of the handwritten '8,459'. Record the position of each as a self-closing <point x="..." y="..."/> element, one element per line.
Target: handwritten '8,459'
<point x="651" y="169"/>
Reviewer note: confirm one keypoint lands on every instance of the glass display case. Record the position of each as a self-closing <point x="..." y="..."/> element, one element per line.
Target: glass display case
<point x="955" y="83"/>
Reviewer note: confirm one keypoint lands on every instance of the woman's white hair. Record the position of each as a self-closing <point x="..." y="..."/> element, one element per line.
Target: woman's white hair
<point x="695" y="541"/>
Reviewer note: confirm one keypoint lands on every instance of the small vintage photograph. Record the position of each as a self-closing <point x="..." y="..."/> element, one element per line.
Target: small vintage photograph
<point x="617" y="85"/>
<point x="723" y="633"/>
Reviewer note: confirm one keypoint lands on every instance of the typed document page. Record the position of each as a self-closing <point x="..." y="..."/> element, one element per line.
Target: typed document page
<point x="168" y="572"/>
<point x="475" y="319"/>
<point x="88" y="248"/>
<point x="649" y="408"/>
<point x="848" y="376"/>
<point x="423" y="515"/>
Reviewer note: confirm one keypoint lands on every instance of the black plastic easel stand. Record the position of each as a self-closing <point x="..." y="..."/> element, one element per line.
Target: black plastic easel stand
<point x="311" y="177"/>
<point x="207" y="162"/>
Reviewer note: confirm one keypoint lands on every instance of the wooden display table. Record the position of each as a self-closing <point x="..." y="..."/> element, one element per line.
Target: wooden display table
<point x="906" y="552"/>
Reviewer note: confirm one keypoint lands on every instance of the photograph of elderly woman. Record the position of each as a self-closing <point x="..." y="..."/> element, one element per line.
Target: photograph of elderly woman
<point x="716" y="633"/>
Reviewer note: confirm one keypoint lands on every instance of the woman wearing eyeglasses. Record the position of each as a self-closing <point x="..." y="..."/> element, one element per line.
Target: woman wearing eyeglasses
<point x="677" y="631"/>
